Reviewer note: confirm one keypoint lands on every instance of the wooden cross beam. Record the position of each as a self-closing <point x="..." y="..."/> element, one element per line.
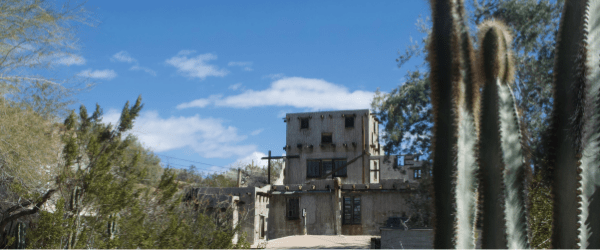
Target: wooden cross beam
<point x="275" y="157"/>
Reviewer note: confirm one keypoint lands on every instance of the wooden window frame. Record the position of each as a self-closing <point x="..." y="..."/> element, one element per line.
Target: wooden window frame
<point x="334" y="167"/>
<point x="352" y="213"/>
<point x="322" y="169"/>
<point x="376" y="170"/>
<point x="292" y="211"/>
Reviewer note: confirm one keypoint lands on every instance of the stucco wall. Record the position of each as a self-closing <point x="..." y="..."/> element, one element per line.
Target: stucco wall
<point x="279" y="225"/>
<point x="330" y="122"/>
<point x="376" y="207"/>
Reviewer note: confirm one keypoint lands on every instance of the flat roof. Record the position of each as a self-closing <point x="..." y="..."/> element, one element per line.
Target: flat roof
<point x="333" y="111"/>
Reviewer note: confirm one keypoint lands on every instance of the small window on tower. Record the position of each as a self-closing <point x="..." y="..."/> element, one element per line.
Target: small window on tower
<point x="303" y="123"/>
<point x="417" y="173"/>
<point x="326" y="138"/>
<point x="349" y="121"/>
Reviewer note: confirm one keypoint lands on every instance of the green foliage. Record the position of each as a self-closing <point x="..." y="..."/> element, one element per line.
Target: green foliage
<point x="50" y="229"/>
<point x="540" y="213"/>
<point x="406" y="114"/>
<point x="148" y="162"/>
<point x="35" y="35"/>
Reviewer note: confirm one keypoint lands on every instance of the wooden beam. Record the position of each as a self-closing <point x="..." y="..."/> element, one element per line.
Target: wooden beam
<point x="280" y="157"/>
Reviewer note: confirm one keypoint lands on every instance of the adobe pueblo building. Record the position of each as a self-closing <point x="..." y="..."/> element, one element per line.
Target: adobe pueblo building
<point x="337" y="179"/>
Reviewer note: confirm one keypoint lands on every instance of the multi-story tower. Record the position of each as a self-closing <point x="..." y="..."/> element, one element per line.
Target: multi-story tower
<point x="336" y="178"/>
<point x="326" y="141"/>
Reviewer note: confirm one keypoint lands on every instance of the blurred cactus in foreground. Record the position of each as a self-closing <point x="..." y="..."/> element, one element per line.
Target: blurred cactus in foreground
<point x="477" y="141"/>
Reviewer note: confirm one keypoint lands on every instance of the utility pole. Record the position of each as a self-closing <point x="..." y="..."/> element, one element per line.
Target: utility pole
<point x="269" y="169"/>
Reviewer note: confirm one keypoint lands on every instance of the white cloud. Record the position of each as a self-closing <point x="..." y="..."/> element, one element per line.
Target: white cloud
<point x="245" y="65"/>
<point x="282" y="113"/>
<point x="107" y="74"/>
<point x="207" y="137"/>
<point x="70" y="60"/>
<point x="274" y="76"/>
<point x="256" y="132"/>
<point x="123" y="56"/>
<point x="299" y="92"/>
<point x="235" y="86"/>
<point x="195" y="67"/>
<point x="254" y="157"/>
<point x="239" y="64"/>
<point x="147" y="70"/>
<point x="199" y="103"/>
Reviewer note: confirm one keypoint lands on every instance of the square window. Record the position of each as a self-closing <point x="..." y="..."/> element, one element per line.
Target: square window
<point x="303" y="123"/>
<point x="342" y="172"/>
<point x="350" y="122"/>
<point x="293" y="208"/>
<point x="326" y="138"/>
<point x="313" y="168"/>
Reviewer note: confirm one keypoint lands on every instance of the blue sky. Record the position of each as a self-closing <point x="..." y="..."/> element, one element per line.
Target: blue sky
<point x="216" y="77"/>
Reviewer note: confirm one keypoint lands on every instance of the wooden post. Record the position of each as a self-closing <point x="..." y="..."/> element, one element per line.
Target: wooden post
<point x="269" y="168"/>
<point x="239" y="182"/>
<point x="363" y="145"/>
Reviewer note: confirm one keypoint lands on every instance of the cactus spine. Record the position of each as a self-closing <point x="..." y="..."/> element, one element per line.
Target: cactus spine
<point x="462" y="135"/>
<point x="576" y="124"/>
<point x="502" y="162"/>
<point x="455" y="126"/>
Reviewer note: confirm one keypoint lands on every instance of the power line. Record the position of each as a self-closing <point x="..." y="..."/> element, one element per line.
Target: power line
<point x="211" y="165"/>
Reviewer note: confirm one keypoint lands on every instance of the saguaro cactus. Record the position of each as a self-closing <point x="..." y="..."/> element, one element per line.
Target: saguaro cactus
<point x="463" y="134"/>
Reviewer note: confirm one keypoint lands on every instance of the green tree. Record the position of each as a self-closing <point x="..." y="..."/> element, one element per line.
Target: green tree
<point x="35" y="35"/>
<point x="95" y="178"/>
<point x="29" y="154"/>
<point x="148" y="161"/>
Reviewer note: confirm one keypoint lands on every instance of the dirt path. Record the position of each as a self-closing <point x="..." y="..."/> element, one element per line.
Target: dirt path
<point x="321" y="241"/>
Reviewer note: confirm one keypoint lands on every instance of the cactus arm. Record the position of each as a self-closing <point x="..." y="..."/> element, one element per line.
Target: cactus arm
<point x="466" y="187"/>
<point x="490" y="155"/>
<point x="502" y="162"/>
<point x="444" y="136"/>
<point x="514" y="170"/>
<point x="564" y="146"/>
<point x="589" y="73"/>
<point x="455" y="134"/>
<point x="466" y="157"/>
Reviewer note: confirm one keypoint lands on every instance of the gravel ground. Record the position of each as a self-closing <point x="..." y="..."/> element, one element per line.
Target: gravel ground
<point x="321" y="241"/>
